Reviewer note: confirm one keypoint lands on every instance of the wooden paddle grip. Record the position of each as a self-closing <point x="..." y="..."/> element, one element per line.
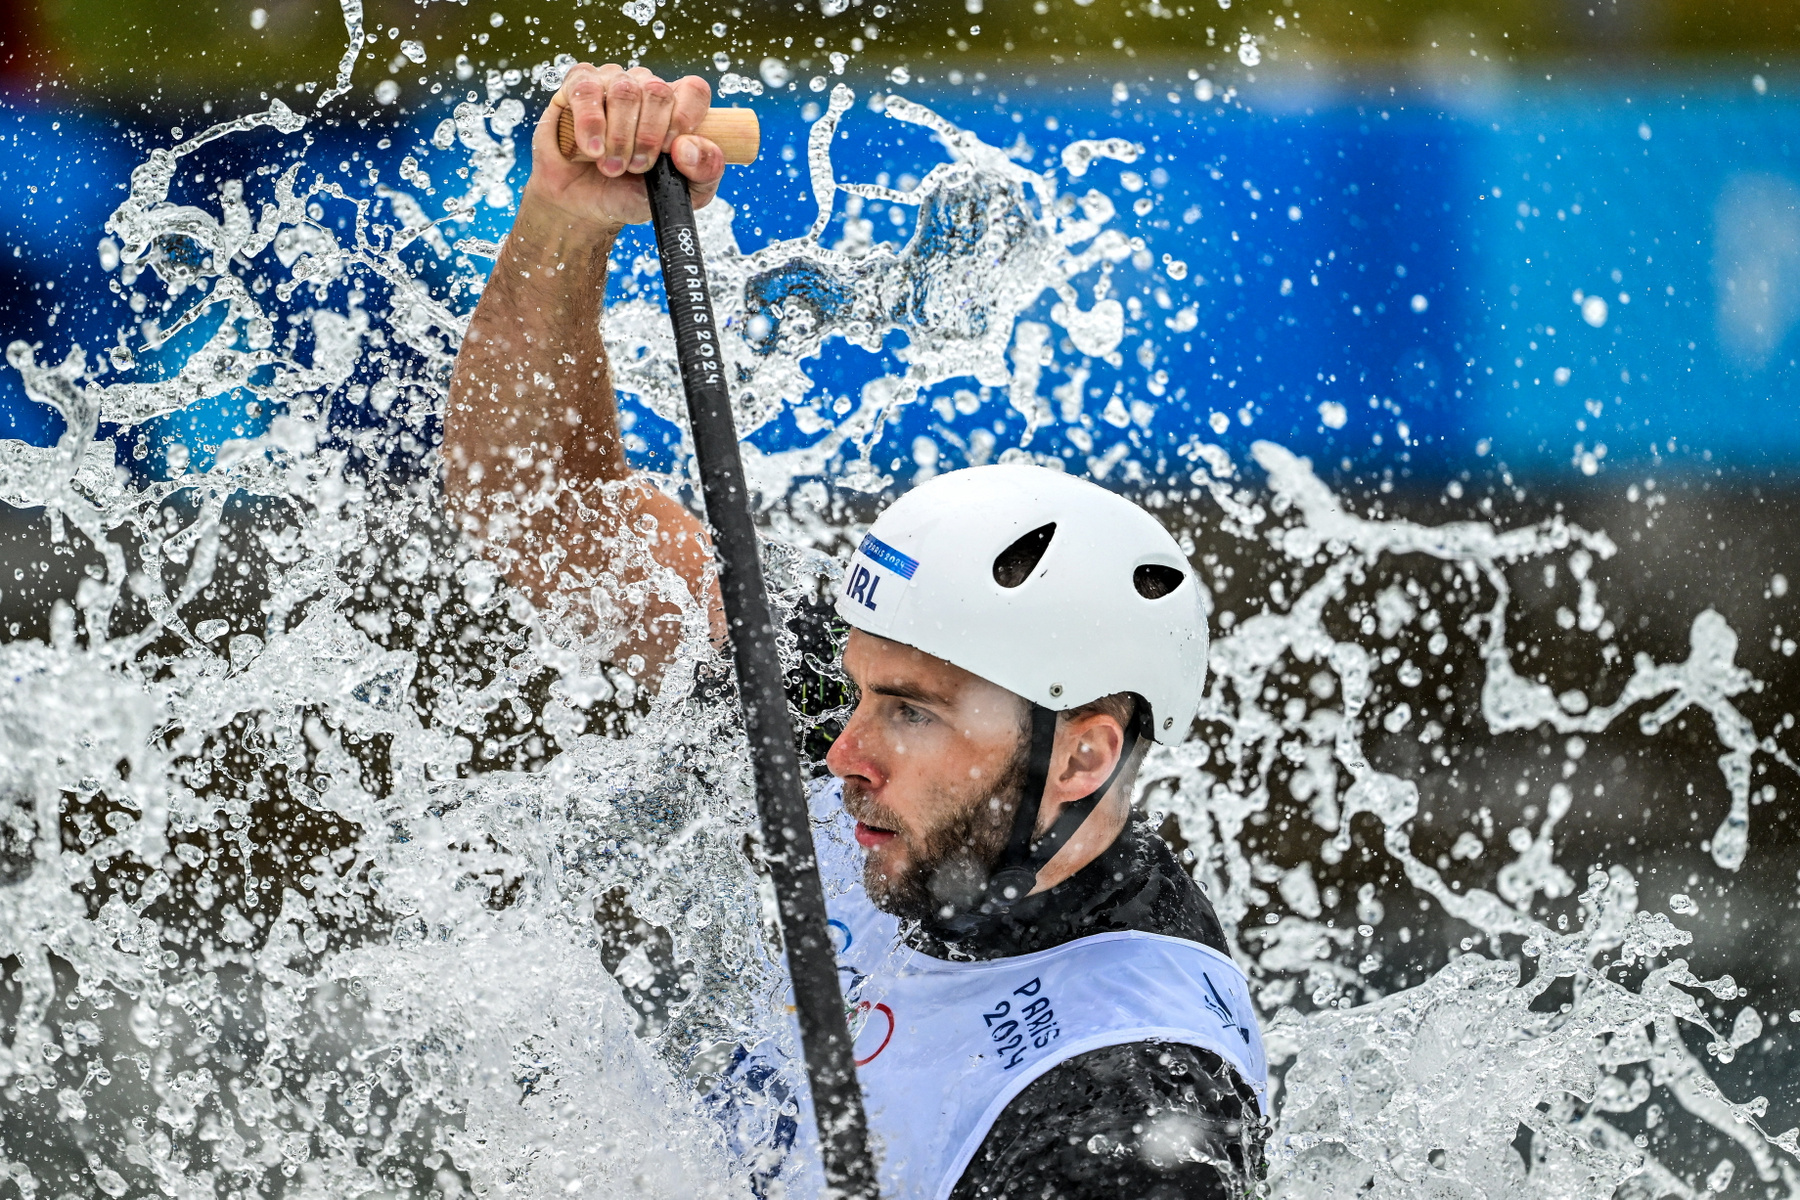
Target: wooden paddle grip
<point x="735" y="130"/>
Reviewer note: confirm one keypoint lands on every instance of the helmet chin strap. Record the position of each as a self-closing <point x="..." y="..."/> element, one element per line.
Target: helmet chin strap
<point x="1016" y="873"/>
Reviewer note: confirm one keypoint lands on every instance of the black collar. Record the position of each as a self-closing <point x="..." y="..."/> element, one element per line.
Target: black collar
<point x="1134" y="884"/>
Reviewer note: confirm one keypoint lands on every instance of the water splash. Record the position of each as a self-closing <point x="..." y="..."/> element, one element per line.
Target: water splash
<point x="991" y="237"/>
<point x="353" y="26"/>
<point x="1421" y="1092"/>
<point x="331" y="867"/>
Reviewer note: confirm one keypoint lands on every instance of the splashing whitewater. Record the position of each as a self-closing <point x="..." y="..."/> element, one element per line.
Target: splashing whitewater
<point x="290" y="915"/>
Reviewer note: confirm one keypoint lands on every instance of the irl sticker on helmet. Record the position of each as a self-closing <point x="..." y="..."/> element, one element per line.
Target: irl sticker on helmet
<point x="874" y="563"/>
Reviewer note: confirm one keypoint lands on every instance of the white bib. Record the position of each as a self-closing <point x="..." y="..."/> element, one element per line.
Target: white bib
<point x="943" y="1047"/>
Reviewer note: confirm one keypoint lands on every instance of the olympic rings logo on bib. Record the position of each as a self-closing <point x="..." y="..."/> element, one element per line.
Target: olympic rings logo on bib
<point x="859" y="1021"/>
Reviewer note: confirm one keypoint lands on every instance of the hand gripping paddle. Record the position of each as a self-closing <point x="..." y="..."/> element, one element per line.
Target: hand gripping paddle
<point x="780" y="790"/>
<point x="734" y="130"/>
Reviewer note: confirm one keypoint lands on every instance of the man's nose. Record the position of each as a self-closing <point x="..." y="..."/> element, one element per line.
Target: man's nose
<point x="849" y="755"/>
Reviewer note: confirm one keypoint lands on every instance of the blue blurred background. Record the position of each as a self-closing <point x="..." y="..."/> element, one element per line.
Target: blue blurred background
<point x="1568" y="277"/>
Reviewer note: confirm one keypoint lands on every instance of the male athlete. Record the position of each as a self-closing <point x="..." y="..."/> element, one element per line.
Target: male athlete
<point x="1048" y="1008"/>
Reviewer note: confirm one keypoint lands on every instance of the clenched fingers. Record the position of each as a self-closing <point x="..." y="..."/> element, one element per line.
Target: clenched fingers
<point x="693" y="96"/>
<point x="624" y="102"/>
<point x="584" y="92"/>
<point x="653" y="124"/>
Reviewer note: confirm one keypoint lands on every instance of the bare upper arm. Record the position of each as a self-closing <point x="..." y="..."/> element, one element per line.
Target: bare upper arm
<point x="607" y="556"/>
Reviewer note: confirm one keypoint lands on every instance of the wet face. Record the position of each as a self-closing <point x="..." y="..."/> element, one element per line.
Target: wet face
<point x="933" y="761"/>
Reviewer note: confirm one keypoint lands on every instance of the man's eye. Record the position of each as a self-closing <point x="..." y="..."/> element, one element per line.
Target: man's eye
<point x="913" y="716"/>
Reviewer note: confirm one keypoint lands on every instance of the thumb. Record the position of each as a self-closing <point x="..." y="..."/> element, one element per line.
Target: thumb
<point x="702" y="163"/>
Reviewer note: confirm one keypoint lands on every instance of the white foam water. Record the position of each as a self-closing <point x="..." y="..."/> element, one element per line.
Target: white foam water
<point x="1421" y="1092"/>
<point x="315" y="858"/>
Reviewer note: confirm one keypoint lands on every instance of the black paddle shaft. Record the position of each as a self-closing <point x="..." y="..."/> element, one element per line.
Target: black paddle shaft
<point x="780" y="790"/>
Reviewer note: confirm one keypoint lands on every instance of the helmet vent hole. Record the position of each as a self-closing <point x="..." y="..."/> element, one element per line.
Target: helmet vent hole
<point x="1015" y="564"/>
<point x="1153" y="581"/>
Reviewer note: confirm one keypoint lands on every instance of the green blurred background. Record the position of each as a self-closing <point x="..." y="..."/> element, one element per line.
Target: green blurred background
<point x="148" y="50"/>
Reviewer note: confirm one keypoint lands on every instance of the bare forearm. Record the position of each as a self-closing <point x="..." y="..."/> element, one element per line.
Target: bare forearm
<point x="531" y="401"/>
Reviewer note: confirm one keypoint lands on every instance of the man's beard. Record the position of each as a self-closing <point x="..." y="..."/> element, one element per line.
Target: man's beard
<point x="946" y="868"/>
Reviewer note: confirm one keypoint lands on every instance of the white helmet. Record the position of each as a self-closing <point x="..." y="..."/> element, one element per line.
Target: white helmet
<point x="1094" y="598"/>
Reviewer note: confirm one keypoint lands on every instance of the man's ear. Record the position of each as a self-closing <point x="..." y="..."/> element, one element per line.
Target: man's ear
<point x="1087" y="748"/>
<point x="1086" y="751"/>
